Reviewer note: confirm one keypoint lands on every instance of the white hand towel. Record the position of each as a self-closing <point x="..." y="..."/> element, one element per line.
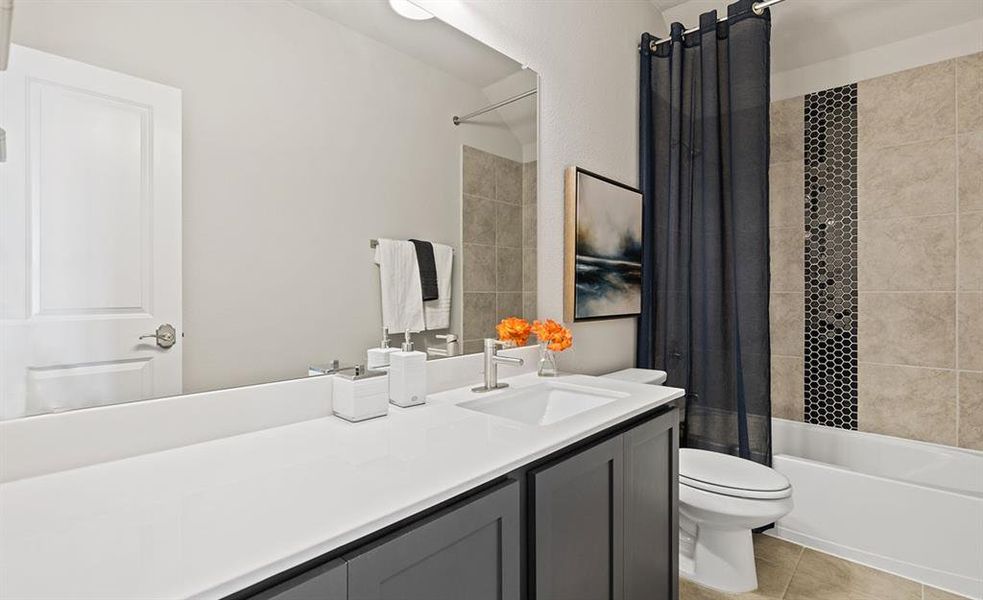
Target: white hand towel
<point x="438" y="312"/>
<point x="402" y="295"/>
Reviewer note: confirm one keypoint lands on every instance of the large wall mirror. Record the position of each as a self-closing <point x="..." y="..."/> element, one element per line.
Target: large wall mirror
<point x="193" y="191"/>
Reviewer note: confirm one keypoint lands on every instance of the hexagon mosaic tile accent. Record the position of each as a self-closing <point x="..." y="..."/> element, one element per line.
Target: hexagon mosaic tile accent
<point x="831" y="257"/>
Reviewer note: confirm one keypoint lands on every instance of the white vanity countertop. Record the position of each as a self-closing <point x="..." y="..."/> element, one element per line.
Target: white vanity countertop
<point x="212" y="518"/>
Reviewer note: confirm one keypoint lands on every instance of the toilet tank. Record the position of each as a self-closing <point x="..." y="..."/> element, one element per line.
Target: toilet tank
<point x="648" y="376"/>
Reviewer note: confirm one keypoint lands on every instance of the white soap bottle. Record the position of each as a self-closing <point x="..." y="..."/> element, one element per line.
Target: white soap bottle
<point x="407" y="375"/>
<point x="378" y="358"/>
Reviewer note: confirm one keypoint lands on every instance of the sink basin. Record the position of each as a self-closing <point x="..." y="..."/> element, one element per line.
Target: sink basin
<point x="543" y="403"/>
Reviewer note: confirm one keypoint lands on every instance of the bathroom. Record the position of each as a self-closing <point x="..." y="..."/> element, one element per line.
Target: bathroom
<point x="222" y="229"/>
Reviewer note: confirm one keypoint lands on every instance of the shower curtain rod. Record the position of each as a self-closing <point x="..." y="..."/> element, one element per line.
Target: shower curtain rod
<point x="757" y="7"/>
<point x="458" y="120"/>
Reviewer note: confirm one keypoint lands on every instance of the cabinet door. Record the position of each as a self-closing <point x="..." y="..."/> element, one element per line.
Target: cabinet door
<point x="326" y="582"/>
<point x="470" y="551"/>
<point x="651" y="499"/>
<point x="578" y="523"/>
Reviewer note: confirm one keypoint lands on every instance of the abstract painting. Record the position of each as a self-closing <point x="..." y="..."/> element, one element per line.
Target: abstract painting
<point x="603" y="248"/>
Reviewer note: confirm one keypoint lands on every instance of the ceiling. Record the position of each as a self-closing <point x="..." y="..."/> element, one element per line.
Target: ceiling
<point x="805" y="32"/>
<point x="664" y="4"/>
<point x="432" y="41"/>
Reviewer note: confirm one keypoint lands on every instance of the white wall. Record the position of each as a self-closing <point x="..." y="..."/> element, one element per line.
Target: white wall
<point x="925" y="49"/>
<point x="586" y="56"/>
<point x="302" y="140"/>
<point x="817" y="44"/>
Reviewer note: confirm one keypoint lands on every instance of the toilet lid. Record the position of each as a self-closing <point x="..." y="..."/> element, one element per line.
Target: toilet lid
<point x="730" y="475"/>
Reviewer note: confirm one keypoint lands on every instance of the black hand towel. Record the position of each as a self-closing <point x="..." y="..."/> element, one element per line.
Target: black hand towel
<point x="428" y="269"/>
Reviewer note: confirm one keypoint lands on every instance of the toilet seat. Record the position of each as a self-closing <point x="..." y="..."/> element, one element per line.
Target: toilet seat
<point x="730" y="476"/>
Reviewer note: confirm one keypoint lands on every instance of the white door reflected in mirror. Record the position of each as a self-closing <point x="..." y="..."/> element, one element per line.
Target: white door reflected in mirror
<point x="91" y="256"/>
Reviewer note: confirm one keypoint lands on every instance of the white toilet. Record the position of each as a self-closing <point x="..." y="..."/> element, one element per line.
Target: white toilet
<point x="721" y="499"/>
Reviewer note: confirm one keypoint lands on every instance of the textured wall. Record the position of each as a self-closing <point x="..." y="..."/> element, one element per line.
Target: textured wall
<point x="918" y="251"/>
<point x="587" y="59"/>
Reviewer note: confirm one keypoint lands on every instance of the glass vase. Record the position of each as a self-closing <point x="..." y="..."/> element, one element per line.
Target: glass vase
<point x="547" y="361"/>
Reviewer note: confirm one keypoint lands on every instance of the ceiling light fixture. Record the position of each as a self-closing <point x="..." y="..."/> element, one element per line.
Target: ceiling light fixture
<point x="409" y="10"/>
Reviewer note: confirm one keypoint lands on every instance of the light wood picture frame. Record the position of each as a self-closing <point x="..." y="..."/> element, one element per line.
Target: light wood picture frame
<point x="602" y="248"/>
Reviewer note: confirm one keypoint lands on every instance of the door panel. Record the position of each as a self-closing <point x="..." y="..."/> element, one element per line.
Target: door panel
<point x="579" y="525"/>
<point x="326" y="582"/>
<point x="90" y="218"/>
<point x="651" y="496"/>
<point x="90" y="202"/>
<point x="470" y="551"/>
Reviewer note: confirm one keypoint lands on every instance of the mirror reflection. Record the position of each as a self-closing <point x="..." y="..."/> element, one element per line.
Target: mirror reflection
<point x="202" y="195"/>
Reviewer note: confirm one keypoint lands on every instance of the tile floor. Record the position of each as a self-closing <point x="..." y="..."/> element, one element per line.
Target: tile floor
<point x="790" y="572"/>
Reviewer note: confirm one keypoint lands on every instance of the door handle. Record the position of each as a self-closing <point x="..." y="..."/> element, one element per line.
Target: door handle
<point x="165" y="335"/>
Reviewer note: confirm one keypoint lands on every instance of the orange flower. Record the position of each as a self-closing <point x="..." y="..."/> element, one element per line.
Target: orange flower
<point x="557" y="337"/>
<point x="515" y="330"/>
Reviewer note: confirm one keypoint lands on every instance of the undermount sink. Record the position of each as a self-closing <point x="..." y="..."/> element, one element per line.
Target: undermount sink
<point x="543" y="403"/>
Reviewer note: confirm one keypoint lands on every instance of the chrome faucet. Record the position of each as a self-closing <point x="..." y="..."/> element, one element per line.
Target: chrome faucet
<point x="492" y="360"/>
<point x="451" y="346"/>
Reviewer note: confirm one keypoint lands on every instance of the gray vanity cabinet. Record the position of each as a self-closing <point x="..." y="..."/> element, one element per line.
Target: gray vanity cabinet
<point x="579" y="525"/>
<point x="651" y="519"/>
<point x="469" y="551"/>
<point x="326" y="582"/>
<point x="604" y="519"/>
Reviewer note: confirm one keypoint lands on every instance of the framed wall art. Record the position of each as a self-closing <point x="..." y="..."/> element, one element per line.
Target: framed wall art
<point x="602" y="248"/>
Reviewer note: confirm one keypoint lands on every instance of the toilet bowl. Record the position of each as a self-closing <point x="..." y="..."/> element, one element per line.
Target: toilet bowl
<point x="721" y="499"/>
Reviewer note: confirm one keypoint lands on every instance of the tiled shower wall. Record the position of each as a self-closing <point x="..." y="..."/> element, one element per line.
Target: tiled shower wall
<point x="897" y="349"/>
<point x="499" y="243"/>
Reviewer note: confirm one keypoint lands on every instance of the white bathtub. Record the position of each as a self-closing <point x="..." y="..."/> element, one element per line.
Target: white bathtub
<point x="910" y="508"/>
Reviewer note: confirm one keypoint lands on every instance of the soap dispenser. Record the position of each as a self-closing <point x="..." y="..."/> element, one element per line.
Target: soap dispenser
<point x="407" y="375"/>
<point x="378" y="358"/>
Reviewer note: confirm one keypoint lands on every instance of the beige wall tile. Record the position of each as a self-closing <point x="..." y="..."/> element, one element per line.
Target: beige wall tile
<point x="908" y="402"/>
<point x="508" y="181"/>
<point x="529" y="233"/>
<point x="479" y="268"/>
<point x="823" y="577"/>
<point x="529" y="270"/>
<point x="970" y="322"/>
<point x="787" y="130"/>
<point x="508" y="304"/>
<point x="787" y="321"/>
<point x="913" y="328"/>
<point x="969" y="91"/>
<point x="970" y="149"/>
<point x="508" y="225"/>
<point x="529" y="178"/>
<point x="907" y="181"/>
<point x="971" y="251"/>
<point x="509" y="269"/>
<point x="917" y="104"/>
<point x="479" y="315"/>
<point x="934" y="594"/>
<point x="787" y="195"/>
<point x="479" y="173"/>
<point x="787" y="259"/>
<point x="907" y="254"/>
<point x="478" y="221"/>
<point x="529" y="310"/>
<point x="787" y="387"/>
<point x="970" y="410"/>
<point x="473" y="346"/>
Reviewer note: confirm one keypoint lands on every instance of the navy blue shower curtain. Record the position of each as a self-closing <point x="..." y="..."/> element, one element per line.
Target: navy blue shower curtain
<point x="704" y="139"/>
